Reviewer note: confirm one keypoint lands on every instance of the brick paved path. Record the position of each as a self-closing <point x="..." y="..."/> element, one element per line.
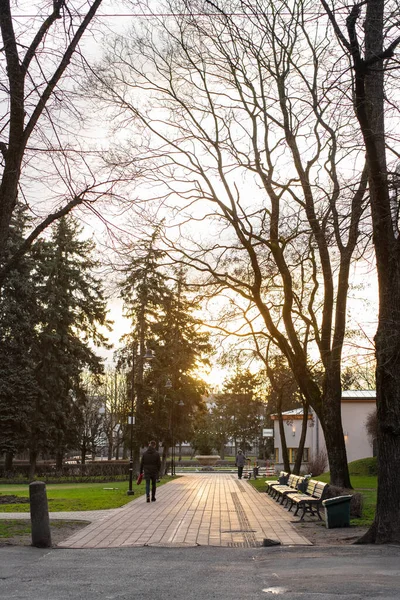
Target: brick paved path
<point x="210" y="510"/>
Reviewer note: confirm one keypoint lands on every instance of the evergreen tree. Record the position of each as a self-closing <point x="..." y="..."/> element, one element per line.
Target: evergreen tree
<point x="143" y="290"/>
<point x="162" y="319"/>
<point x="243" y="409"/>
<point x="74" y="307"/>
<point x="19" y="315"/>
<point x="182" y="348"/>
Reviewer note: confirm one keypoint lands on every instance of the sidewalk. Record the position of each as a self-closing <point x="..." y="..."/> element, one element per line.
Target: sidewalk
<point x="209" y="510"/>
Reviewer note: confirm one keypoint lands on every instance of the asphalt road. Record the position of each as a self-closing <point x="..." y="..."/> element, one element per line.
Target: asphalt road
<point x="200" y="573"/>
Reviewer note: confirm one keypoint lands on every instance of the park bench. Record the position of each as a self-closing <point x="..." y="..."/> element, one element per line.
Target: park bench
<point x="266" y="471"/>
<point x="311" y="500"/>
<point x="282" y="479"/>
<point x="293" y="486"/>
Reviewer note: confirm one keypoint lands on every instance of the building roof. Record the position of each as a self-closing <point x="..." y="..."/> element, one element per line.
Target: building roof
<point x="359" y="395"/>
<point x="296" y="413"/>
<point x="347" y="396"/>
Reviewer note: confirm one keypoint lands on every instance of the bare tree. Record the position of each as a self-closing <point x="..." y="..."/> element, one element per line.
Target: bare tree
<point x="36" y="54"/>
<point x="116" y="409"/>
<point x="236" y="108"/>
<point x="370" y="37"/>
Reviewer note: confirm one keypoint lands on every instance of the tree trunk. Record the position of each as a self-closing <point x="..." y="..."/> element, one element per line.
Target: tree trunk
<point x="285" y="454"/>
<point x="136" y="459"/>
<point x="222" y="450"/>
<point x="370" y="110"/>
<point x="164" y="460"/>
<point x="327" y="406"/>
<point x="59" y="460"/>
<point x="331" y="423"/>
<point x="300" y="451"/>
<point x="32" y="464"/>
<point x="8" y="462"/>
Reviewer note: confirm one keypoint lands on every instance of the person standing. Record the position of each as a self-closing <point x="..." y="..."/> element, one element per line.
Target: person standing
<point x="240" y="462"/>
<point x="150" y="465"/>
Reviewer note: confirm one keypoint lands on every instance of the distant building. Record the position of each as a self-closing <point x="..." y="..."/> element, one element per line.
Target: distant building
<point x="356" y="407"/>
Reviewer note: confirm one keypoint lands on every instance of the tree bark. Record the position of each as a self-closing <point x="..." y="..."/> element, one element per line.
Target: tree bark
<point x="32" y="464"/>
<point x="370" y="109"/>
<point x="8" y="462"/>
<point x="300" y="451"/>
<point x="285" y="454"/>
<point x="59" y="460"/>
<point x="222" y="450"/>
<point x="164" y="459"/>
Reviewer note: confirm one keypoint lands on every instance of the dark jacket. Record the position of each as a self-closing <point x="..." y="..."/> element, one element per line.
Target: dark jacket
<point x="151" y="462"/>
<point x="240" y="460"/>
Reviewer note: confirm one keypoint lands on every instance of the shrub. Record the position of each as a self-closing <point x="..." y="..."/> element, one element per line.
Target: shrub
<point x="371" y="425"/>
<point x="356" y="502"/>
<point x="90" y="472"/>
<point x="318" y="464"/>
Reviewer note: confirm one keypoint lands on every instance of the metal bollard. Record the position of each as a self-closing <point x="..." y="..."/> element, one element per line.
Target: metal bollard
<point x="40" y="522"/>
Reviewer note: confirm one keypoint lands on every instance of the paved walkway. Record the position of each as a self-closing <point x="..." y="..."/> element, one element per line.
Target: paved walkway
<point x="210" y="510"/>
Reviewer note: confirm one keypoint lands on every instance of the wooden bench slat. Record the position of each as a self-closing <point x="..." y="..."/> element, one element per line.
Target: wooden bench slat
<point x="311" y="500"/>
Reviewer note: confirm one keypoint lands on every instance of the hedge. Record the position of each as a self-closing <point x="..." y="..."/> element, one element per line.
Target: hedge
<point x="99" y="470"/>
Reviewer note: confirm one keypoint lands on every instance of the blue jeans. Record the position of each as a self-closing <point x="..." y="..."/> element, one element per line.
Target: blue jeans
<point x="153" y="479"/>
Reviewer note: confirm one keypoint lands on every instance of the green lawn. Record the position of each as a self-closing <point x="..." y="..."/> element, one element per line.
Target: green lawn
<point x="13" y="528"/>
<point x="77" y="496"/>
<point x="364" y="484"/>
<point x="18" y="531"/>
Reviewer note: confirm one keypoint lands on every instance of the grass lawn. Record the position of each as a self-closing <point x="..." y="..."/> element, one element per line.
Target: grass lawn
<point x="13" y="528"/>
<point x="77" y="496"/>
<point x="364" y="484"/>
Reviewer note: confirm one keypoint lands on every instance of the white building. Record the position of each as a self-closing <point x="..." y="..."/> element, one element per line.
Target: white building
<point x="356" y="407"/>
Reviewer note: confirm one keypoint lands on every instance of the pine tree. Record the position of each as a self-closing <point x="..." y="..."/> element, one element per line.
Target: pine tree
<point x="74" y="307"/>
<point x="144" y="291"/>
<point x="182" y="349"/>
<point x="19" y="315"/>
<point x="162" y="319"/>
<point x="243" y="407"/>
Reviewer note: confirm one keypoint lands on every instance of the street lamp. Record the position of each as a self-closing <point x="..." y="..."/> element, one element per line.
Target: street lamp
<point x="180" y="403"/>
<point x="131" y="420"/>
<point x="168" y="386"/>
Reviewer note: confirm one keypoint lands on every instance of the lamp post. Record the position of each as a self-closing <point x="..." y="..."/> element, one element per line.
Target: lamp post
<point x="168" y="386"/>
<point x="131" y="420"/>
<point x="180" y="403"/>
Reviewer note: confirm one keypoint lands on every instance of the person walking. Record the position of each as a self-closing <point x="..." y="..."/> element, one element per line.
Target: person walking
<point x="150" y="465"/>
<point x="240" y="462"/>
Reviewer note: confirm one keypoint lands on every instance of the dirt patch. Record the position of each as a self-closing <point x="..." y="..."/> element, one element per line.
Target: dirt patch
<point x="60" y="531"/>
<point x="319" y="535"/>
<point x="13" y="500"/>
